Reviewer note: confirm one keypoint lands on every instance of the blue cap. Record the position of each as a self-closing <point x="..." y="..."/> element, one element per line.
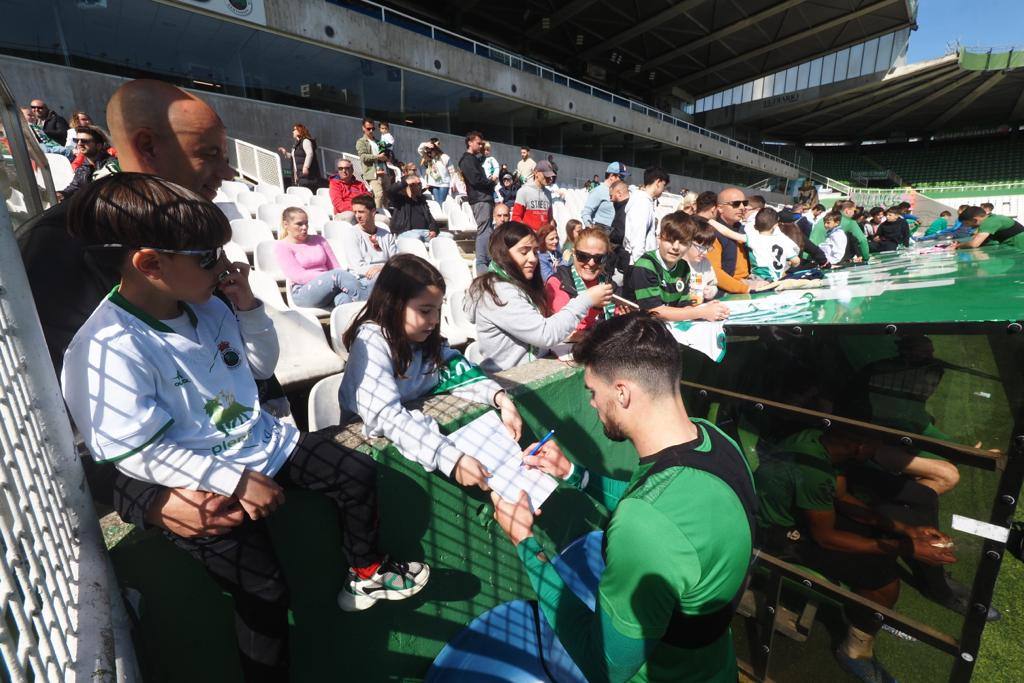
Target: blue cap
<point x="618" y="168"/>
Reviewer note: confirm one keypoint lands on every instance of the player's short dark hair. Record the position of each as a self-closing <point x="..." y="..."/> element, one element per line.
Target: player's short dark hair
<point x="473" y="134"/>
<point x="756" y="201"/>
<point x="681" y="227"/>
<point x="766" y="219"/>
<point x="705" y="200"/>
<point x="141" y="210"/>
<point x="636" y="346"/>
<point x="987" y="205"/>
<point x="971" y="212"/>
<point x="654" y="174"/>
<point x="365" y="200"/>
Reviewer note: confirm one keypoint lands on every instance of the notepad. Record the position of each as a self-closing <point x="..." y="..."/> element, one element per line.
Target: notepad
<point x="487" y="440"/>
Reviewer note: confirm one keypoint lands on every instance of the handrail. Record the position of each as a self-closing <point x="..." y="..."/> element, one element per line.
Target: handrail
<point x="521" y="63"/>
<point x="25" y="153"/>
<point x="258" y="164"/>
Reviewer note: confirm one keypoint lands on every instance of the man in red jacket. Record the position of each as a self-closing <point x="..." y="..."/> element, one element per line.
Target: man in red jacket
<point x="345" y="186"/>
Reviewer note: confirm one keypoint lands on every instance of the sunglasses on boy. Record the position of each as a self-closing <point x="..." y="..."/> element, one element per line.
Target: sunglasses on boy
<point x="584" y="257"/>
<point x="208" y="258"/>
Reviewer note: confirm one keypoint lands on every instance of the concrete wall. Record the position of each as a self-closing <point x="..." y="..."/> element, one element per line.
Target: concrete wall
<point x="361" y="35"/>
<point x="269" y="125"/>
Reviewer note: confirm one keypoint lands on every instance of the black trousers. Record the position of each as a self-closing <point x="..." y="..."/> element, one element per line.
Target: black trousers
<point x="244" y="564"/>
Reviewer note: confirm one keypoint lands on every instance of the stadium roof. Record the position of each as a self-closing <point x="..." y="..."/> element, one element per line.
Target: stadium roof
<point x="914" y="100"/>
<point x="694" y="46"/>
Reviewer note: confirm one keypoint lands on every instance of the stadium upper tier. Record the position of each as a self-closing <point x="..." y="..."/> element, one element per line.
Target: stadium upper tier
<point x="992" y="160"/>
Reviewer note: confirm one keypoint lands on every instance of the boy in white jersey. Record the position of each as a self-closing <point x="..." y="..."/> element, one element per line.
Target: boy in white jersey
<point x="771" y="251"/>
<point x="159" y="381"/>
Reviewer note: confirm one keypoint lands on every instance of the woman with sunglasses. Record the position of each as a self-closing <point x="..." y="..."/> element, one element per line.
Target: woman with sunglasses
<point x="586" y="270"/>
<point x="513" y="320"/>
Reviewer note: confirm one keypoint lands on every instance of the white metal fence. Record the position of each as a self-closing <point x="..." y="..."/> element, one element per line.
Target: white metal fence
<point x="260" y="165"/>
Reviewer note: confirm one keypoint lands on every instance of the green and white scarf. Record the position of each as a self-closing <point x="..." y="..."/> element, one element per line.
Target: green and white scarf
<point x="581" y="287"/>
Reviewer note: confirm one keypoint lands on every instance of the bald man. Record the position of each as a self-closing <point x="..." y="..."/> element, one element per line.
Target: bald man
<point x="160" y="129"/>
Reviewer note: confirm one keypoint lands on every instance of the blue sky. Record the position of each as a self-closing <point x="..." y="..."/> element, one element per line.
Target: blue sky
<point x="990" y="23"/>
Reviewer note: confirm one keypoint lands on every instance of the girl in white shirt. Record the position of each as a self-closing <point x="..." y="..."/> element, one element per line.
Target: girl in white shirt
<point x="397" y="354"/>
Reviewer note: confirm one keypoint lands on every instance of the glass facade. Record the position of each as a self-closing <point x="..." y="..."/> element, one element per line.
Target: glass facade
<point x="877" y="54"/>
<point x="142" y="38"/>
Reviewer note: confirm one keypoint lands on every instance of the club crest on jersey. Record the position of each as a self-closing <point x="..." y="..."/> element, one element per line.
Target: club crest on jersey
<point x="230" y="356"/>
<point x="680" y="286"/>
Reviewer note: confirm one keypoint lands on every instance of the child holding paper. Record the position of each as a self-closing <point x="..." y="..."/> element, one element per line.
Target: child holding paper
<point x="397" y="354"/>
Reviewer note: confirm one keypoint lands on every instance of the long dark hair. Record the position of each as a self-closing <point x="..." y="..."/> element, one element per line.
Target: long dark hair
<point x="403" y="278"/>
<point x="499" y="249"/>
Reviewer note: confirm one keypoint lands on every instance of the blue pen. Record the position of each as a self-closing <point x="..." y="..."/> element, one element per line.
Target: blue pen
<point x="543" y="441"/>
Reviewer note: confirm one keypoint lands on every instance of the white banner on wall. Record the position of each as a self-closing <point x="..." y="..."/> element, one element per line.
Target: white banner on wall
<point x="247" y="10"/>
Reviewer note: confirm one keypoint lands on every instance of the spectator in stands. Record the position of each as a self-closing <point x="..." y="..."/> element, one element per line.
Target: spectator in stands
<point x="802" y="221"/>
<point x="807" y="516"/>
<point x="374" y="171"/>
<point x="507" y="189"/>
<point x="755" y="203"/>
<point x="572" y="227"/>
<point x="771" y="252"/>
<point x="54" y="125"/>
<point x="49" y="145"/>
<point x="91" y="144"/>
<point x="78" y="118"/>
<point x="816" y="212"/>
<point x="554" y="166"/>
<point x="679" y="541"/>
<point x="619" y="194"/>
<point x="397" y="354"/>
<point x="834" y="245"/>
<point x="160" y="382"/>
<point x="706" y="205"/>
<point x="987" y="207"/>
<point x="437" y="169"/>
<point x="386" y="144"/>
<point x="345" y="186"/>
<point x="410" y="215"/>
<point x="592" y="183"/>
<point x="368" y="247"/>
<point x="311" y="267"/>
<point x="508" y="306"/>
<point x="526" y="165"/>
<point x="940" y="224"/>
<point x="688" y="204"/>
<point x="876" y="216"/>
<point x="846" y="209"/>
<point x="659" y="281"/>
<point x="549" y="254"/>
<point x="993" y="227"/>
<point x="480" y="194"/>
<point x="502" y="215"/>
<point x="641" y="234"/>
<point x="585" y="269"/>
<point x="533" y="200"/>
<point x="598" y="210"/>
<point x="727" y="256"/>
<point x="703" y="283"/>
<point x="893" y="233"/>
<point x="305" y="163"/>
<point x="492" y="169"/>
<point x="808" y="194"/>
<point x="811" y="254"/>
<point x="457" y="188"/>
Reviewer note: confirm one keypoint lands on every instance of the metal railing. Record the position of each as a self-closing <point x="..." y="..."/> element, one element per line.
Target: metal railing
<point x="395" y="18"/>
<point x="63" y="615"/>
<point x="258" y="164"/>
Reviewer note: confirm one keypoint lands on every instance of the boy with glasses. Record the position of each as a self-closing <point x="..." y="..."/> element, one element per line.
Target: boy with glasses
<point x="345" y="186"/>
<point x="659" y="281"/>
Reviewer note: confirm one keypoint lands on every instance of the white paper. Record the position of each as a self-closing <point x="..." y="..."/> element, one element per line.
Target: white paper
<point x="992" y="532"/>
<point x="487" y="440"/>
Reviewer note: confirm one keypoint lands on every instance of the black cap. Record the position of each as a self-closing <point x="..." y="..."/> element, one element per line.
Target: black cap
<point x="787" y="216"/>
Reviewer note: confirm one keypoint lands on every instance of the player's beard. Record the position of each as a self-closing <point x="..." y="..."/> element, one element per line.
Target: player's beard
<point x="611" y="428"/>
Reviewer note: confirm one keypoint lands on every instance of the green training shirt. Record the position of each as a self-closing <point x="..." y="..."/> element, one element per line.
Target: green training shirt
<point x="1003" y="229"/>
<point x="678" y="541"/>
<point x="651" y="283"/>
<point x="797" y="475"/>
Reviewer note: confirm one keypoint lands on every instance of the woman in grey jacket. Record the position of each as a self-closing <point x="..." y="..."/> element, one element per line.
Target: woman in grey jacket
<point x="508" y="306"/>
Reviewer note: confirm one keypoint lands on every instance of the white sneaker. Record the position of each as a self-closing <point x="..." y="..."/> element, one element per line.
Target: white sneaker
<point x="393" y="580"/>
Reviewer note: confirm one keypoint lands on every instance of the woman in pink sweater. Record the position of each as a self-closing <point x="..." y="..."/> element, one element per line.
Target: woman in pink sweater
<point x="313" y="272"/>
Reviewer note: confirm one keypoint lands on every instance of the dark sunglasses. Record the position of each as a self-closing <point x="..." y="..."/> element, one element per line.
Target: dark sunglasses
<point x="35" y="107"/>
<point x="735" y="204"/>
<point x="82" y="141"/>
<point x="208" y="258"/>
<point x="344" y="168"/>
<point x="584" y="257"/>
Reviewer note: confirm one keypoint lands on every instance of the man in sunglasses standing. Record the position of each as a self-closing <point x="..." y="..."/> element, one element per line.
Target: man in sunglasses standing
<point x="345" y="186"/>
<point x="374" y="172"/>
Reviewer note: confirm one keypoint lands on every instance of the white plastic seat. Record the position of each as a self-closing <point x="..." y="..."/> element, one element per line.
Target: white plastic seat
<point x="311" y="310"/>
<point x="324" y="202"/>
<point x="318" y="217"/>
<point x="264" y="259"/>
<point x="233" y="188"/>
<point x="271" y="215"/>
<point x="248" y="202"/>
<point x="60" y="170"/>
<point x="444" y="247"/>
<point x="347" y="216"/>
<point x="341" y="319"/>
<point x="454" y="335"/>
<point x="456" y="299"/>
<point x="436" y="212"/>
<point x="324" y="408"/>
<point x="264" y="287"/>
<point x="247" y="233"/>
<point x="230" y="210"/>
<point x="455" y="272"/>
<point x="323" y="192"/>
<point x="305" y="354"/>
<point x="335" y="229"/>
<point x="300" y="191"/>
<point x="291" y="200"/>
<point x="235" y="253"/>
<point x="223" y="198"/>
<point x="270" y="191"/>
<point x="409" y="245"/>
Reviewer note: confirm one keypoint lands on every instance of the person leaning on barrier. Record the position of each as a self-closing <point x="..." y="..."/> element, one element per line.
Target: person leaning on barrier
<point x="677" y="548"/>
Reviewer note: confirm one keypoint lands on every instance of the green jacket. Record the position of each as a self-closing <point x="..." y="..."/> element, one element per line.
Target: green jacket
<point x="368" y="156"/>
